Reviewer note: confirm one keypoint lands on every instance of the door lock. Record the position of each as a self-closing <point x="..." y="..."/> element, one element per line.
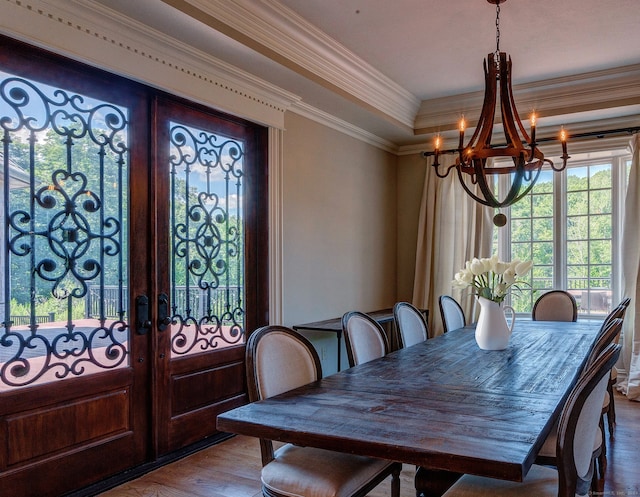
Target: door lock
<point x="143" y="323"/>
<point x="164" y="319"/>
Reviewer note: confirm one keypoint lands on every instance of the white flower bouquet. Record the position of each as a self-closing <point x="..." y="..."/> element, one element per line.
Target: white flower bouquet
<point x="490" y="277"/>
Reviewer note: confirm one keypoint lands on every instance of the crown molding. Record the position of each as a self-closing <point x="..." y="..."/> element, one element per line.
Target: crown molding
<point x="281" y="34"/>
<point x="585" y="92"/>
<point x="87" y="31"/>
<point x="575" y="145"/>
<point x="344" y="127"/>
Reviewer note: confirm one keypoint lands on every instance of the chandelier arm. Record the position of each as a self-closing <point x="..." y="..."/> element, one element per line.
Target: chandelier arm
<point x="527" y="189"/>
<point x="488" y="194"/>
<point x="512" y="102"/>
<point x="513" y="194"/>
<point x="437" y="165"/>
<point x="564" y="158"/>
<point x="510" y="119"/>
<point x="484" y="129"/>
<point x="517" y="194"/>
<point x="475" y="197"/>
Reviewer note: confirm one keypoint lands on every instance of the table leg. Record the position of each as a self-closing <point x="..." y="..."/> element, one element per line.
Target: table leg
<point x="433" y="482"/>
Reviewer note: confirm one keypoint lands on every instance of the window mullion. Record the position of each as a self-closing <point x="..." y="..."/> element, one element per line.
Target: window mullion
<point x="560" y="230"/>
<point x="618" y="183"/>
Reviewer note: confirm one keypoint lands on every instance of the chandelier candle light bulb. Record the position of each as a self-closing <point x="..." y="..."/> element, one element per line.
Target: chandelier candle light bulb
<point x="533" y="129"/>
<point x="563" y="139"/>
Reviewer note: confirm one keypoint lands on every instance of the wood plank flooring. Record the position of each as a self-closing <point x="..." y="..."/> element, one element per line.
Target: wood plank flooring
<point x="232" y="468"/>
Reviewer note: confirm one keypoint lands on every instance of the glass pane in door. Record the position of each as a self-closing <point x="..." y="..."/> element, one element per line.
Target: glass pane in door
<point x="207" y="240"/>
<point x="64" y="188"/>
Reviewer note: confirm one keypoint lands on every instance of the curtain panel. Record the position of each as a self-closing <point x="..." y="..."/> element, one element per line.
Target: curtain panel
<point x="629" y="364"/>
<point x="452" y="229"/>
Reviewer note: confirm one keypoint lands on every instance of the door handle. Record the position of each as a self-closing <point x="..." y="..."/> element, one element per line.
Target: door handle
<point x="164" y="319"/>
<point x="143" y="323"/>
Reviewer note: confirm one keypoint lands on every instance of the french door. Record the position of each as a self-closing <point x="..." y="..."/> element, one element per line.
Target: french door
<point x="212" y="272"/>
<point x="133" y="241"/>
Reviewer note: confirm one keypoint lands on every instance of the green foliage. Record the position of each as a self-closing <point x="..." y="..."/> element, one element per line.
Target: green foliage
<point x="589" y="226"/>
<point x="51" y="152"/>
<point x="46" y="306"/>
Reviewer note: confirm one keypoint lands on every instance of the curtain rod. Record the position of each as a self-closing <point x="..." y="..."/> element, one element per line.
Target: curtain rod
<point x="599" y="134"/>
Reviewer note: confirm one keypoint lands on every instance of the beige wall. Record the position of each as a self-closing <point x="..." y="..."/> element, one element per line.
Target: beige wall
<point x="339" y="223"/>
<point x="410" y="171"/>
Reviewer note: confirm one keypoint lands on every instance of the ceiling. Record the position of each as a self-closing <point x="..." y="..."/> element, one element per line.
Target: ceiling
<point x="405" y="69"/>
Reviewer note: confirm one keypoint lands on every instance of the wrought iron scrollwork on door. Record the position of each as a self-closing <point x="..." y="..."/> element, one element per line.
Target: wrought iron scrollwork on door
<point x="65" y="186"/>
<point x="207" y="240"/>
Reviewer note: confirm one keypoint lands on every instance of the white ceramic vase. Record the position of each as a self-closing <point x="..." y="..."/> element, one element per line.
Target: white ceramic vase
<point x="492" y="331"/>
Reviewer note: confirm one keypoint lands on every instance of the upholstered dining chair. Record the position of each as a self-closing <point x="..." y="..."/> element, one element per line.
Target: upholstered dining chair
<point x="451" y="312"/>
<point x="555" y="305"/>
<point x="607" y="334"/>
<point x="410" y="324"/>
<point x="609" y="408"/>
<point x="577" y="431"/>
<point x="364" y="338"/>
<point x="279" y="359"/>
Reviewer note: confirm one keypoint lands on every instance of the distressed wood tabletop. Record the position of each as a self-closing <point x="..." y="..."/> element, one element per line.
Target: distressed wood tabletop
<point x="442" y="404"/>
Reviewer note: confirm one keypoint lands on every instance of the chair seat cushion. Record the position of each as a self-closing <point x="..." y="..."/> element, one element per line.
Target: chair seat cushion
<point x="310" y="472"/>
<point x="549" y="447"/>
<point x="541" y="481"/>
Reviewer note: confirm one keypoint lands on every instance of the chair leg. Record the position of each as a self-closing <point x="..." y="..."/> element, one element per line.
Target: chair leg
<point x="395" y="481"/>
<point x="598" y="467"/>
<point x="611" y="412"/>
<point x="597" y="483"/>
<point x="602" y="458"/>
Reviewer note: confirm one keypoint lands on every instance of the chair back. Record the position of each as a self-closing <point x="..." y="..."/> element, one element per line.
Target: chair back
<point x="364" y="338"/>
<point x="625" y="302"/>
<point x="609" y="333"/>
<point x="556" y="305"/>
<point x="451" y="312"/>
<point x="579" y="425"/>
<point x="623" y="305"/>
<point x="410" y="324"/>
<point x="278" y="359"/>
<point x="617" y="313"/>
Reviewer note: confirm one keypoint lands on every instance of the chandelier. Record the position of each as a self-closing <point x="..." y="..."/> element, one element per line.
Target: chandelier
<point x="476" y="162"/>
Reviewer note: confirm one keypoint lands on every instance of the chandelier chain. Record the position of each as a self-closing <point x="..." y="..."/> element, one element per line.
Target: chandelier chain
<point x="497" y="28"/>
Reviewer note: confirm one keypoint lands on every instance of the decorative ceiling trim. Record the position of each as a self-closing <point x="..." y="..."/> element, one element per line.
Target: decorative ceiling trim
<point x="344" y="127"/>
<point x="590" y="91"/>
<point x="578" y="145"/>
<point x="87" y="31"/>
<point x="279" y="33"/>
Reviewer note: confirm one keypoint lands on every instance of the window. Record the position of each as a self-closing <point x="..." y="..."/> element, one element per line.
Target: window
<point x="569" y="225"/>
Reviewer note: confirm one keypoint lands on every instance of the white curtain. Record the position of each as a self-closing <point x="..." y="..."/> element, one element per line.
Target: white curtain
<point x="629" y="365"/>
<point x="453" y="228"/>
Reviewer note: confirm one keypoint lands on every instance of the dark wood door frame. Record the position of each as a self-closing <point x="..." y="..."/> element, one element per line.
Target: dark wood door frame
<point x="129" y="401"/>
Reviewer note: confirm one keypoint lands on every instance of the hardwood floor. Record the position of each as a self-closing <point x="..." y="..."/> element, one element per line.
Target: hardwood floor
<point x="232" y="468"/>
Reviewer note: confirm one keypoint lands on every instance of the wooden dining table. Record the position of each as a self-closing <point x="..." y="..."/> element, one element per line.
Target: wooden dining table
<point x="443" y="404"/>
